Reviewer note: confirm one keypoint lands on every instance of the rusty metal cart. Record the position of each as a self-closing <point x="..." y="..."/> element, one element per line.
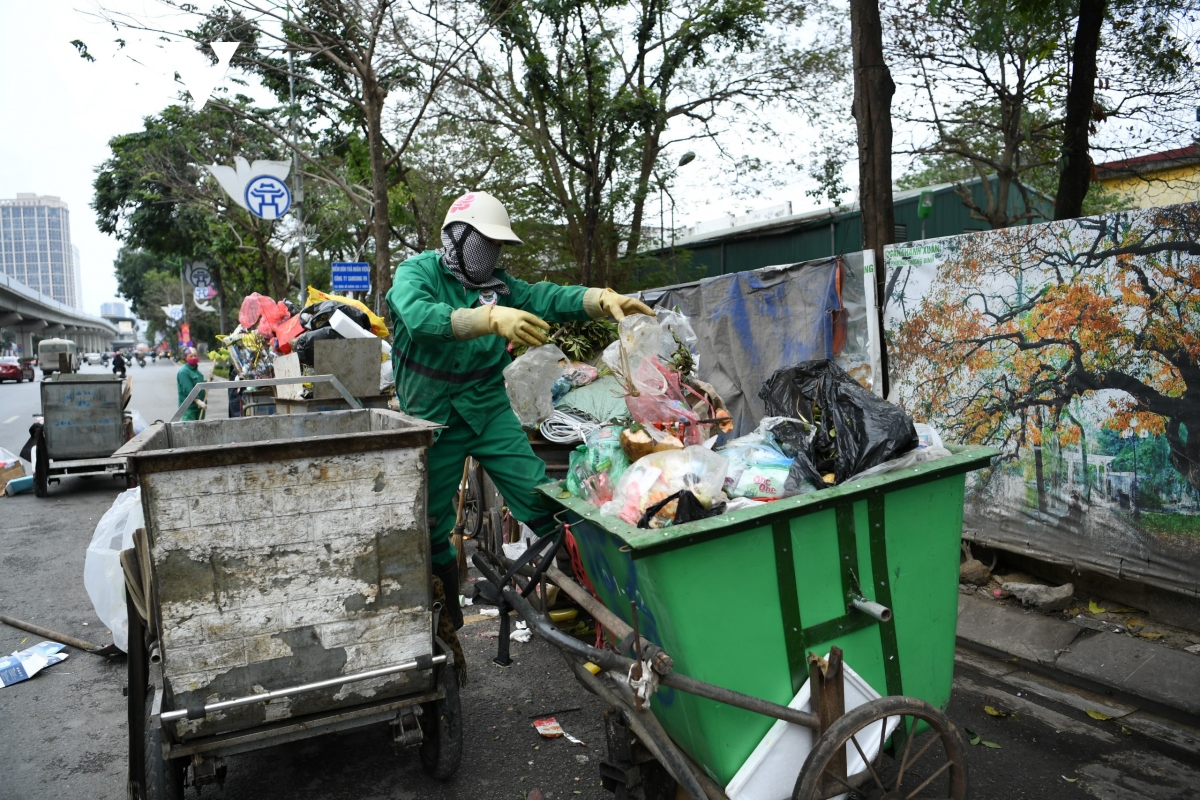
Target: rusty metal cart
<point x="717" y="628"/>
<point x="83" y="425"/>
<point x="280" y="590"/>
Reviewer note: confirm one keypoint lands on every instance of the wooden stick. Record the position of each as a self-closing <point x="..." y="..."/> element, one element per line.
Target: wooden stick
<point x="49" y="634"/>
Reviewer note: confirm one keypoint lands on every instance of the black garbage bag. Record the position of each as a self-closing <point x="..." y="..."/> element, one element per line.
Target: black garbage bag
<point x="292" y="308"/>
<point x="317" y="315"/>
<point x="687" y="510"/>
<point x="304" y="344"/>
<point x="853" y="430"/>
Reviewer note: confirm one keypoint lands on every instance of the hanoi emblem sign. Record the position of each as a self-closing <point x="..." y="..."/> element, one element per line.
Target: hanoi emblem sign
<point x="267" y="197"/>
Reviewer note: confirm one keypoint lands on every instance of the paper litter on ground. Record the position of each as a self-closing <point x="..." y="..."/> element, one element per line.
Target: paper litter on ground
<point x="24" y="664"/>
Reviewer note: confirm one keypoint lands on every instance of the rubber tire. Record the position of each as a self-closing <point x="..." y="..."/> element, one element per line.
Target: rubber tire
<point x="472" y="524"/>
<point x="41" y="469"/>
<point x="163" y="780"/>
<point x="441" y="722"/>
<point x="839" y="733"/>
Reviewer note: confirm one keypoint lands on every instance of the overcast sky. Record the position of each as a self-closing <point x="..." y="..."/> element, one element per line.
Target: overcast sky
<point x="59" y="112"/>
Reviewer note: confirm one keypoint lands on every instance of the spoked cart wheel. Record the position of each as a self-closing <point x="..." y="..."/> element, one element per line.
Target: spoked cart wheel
<point x="472" y="510"/>
<point x="441" y="724"/>
<point x="932" y="764"/>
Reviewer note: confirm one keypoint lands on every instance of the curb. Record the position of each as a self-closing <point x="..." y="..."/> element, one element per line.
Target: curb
<point x="1153" y="673"/>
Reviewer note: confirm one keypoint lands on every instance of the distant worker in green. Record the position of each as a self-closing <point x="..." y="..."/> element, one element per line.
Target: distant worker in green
<point x="187" y="377"/>
<point x="455" y="311"/>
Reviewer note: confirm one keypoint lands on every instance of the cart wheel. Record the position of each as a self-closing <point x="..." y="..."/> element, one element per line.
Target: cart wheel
<point x="472" y="515"/>
<point x="441" y="722"/>
<point x="159" y="779"/>
<point x="931" y="764"/>
<point x="41" y="469"/>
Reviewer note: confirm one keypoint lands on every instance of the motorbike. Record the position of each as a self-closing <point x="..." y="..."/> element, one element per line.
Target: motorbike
<point x="141" y="361"/>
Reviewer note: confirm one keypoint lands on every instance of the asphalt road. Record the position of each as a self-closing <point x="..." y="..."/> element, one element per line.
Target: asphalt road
<point x="154" y="396"/>
<point x="65" y="732"/>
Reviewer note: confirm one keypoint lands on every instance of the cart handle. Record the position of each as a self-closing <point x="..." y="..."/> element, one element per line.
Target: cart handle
<point x="203" y="387"/>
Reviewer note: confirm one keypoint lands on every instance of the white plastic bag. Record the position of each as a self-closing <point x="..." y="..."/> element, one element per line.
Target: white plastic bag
<point x="102" y="574"/>
<point x="529" y="382"/>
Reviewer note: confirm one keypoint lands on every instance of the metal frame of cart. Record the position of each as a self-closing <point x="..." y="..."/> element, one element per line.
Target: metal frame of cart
<point x="858" y="537"/>
<point x="262" y="612"/>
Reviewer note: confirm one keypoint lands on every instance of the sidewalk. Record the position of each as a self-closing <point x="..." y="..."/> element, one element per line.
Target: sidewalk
<point x="1136" y="681"/>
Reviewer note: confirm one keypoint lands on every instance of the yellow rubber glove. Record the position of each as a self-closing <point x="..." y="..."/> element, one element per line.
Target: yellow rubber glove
<point x="607" y="303"/>
<point x="519" y="327"/>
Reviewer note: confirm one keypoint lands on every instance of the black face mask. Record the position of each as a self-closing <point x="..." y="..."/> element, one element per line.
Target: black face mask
<point x="471" y="257"/>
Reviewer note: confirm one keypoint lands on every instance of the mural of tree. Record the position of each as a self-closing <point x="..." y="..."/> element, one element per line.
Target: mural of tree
<point x="1019" y="323"/>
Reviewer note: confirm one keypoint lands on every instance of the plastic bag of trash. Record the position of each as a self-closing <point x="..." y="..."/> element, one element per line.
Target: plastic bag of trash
<point x="852" y="429"/>
<point x="757" y="467"/>
<point x="597" y="465"/>
<point x="686" y="509"/>
<point x="638" y="337"/>
<point x="318" y="315"/>
<point x="377" y="325"/>
<point x="659" y="475"/>
<point x="139" y="422"/>
<point x="677" y="330"/>
<point x="529" y="382"/>
<point x="103" y="577"/>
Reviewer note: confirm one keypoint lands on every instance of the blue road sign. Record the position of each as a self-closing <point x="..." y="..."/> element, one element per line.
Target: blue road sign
<point x="268" y="197"/>
<point x="351" y="276"/>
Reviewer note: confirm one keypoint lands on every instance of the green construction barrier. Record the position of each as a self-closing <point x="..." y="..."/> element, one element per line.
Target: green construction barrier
<point x="740" y="599"/>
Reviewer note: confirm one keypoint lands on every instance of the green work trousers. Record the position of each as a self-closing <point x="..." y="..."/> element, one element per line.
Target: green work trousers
<point x="504" y="451"/>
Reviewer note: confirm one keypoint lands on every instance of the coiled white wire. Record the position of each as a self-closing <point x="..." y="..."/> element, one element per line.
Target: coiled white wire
<point x="563" y="427"/>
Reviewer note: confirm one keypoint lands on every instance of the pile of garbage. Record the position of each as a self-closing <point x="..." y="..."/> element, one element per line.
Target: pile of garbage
<point x="666" y="455"/>
<point x="270" y="328"/>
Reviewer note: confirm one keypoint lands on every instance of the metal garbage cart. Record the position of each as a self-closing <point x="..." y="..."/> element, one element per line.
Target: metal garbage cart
<point x="281" y="589"/>
<point x="729" y="617"/>
<point x="83" y="425"/>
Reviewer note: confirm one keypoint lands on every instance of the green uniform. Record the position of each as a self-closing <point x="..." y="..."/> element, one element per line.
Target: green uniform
<point x="460" y="384"/>
<point x="187" y="377"/>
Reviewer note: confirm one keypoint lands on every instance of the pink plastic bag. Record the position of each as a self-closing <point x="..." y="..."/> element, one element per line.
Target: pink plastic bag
<point x="262" y="311"/>
<point x="659" y="402"/>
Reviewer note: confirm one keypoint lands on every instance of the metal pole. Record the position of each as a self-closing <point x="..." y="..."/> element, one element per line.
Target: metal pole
<point x="297" y="181"/>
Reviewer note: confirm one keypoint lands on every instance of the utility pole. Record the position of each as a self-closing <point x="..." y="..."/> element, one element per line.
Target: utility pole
<point x="297" y="181"/>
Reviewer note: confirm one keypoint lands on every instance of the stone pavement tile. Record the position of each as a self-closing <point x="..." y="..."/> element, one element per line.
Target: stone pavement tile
<point x="1142" y="669"/>
<point x="1016" y="631"/>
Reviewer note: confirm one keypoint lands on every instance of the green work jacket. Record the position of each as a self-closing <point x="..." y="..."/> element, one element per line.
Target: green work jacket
<point x="434" y="371"/>
<point x="187" y="377"/>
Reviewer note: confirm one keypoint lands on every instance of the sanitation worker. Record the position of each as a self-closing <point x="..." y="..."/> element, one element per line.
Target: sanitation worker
<point x="188" y="376"/>
<point x="455" y="311"/>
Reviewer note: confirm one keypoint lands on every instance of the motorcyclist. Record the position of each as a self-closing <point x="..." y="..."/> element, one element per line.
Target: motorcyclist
<point x="118" y="363"/>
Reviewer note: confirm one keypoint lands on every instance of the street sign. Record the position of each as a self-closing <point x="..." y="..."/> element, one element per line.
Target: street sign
<point x="351" y="276"/>
<point x="197" y="274"/>
<point x="174" y="311"/>
<point x="267" y="197"/>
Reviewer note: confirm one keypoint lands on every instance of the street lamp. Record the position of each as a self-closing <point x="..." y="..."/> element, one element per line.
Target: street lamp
<point x="684" y="160"/>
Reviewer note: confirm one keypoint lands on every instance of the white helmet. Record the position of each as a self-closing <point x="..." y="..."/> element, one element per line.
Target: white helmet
<point x="485" y="214"/>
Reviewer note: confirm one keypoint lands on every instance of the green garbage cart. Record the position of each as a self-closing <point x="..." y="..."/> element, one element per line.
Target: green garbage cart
<point x="867" y="569"/>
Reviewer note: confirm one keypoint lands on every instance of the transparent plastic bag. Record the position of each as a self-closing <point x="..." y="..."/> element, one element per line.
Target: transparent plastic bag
<point x="103" y="577"/>
<point x="757" y="468"/>
<point x="660" y="475"/>
<point x="529" y="382"/>
<point x="676" y="326"/>
<point x="597" y="465"/>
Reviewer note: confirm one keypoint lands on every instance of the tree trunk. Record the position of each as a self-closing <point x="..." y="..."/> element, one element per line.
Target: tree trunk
<point x="873" y="90"/>
<point x="381" y="222"/>
<point x="1075" y="166"/>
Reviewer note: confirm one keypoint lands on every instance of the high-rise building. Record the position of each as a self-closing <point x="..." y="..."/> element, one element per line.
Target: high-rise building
<point x="35" y="246"/>
<point x="78" y="277"/>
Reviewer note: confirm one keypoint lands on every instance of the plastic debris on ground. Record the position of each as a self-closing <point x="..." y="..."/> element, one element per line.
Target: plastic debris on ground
<point x="24" y="664"/>
<point x="851" y="430"/>
<point x="529" y="382"/>
<point x="549" y="728"/>
<point x="520" y="633"/>
<point x="660" y="475"/>
<point x="103" y="577"/>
